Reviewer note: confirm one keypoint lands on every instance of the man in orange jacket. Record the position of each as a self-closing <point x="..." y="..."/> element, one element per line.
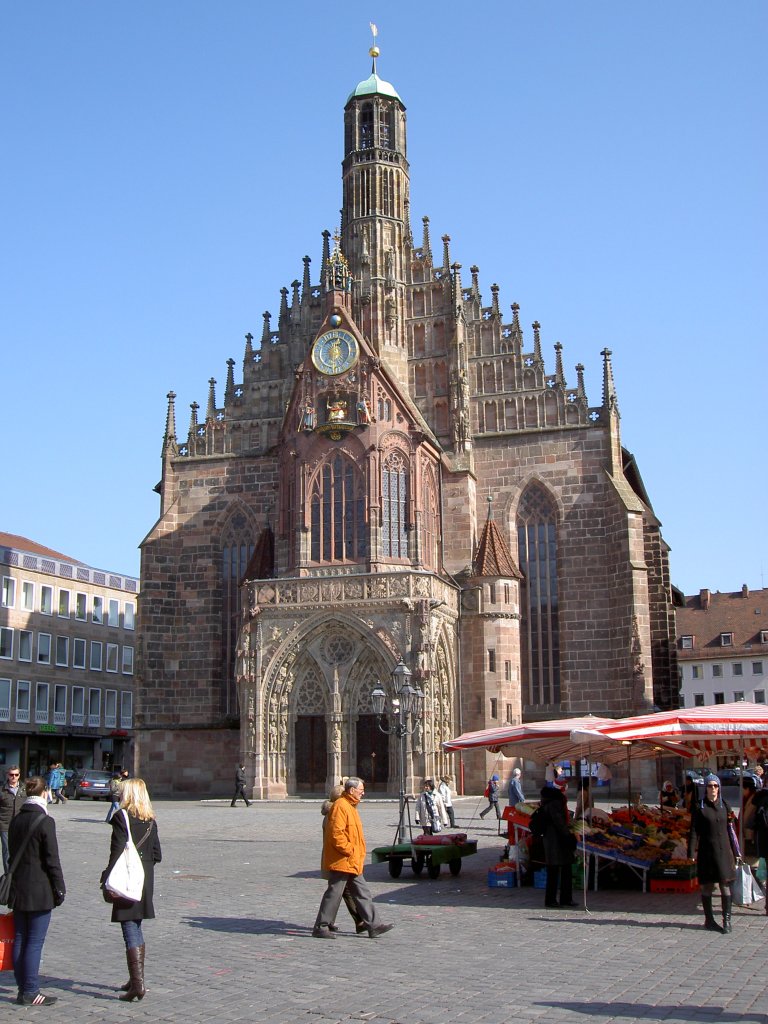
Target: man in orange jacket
<point x="343" y="859"/>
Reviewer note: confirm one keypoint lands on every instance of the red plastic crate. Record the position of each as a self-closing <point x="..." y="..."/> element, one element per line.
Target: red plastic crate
<point x="670" y="885"/>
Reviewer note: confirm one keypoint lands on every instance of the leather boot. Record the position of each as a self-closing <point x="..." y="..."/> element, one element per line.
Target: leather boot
<point x="127" y="985"/>
<point x="727" y="904"/>
<point x="135" y="988"/>
<point x="709" y="918"/>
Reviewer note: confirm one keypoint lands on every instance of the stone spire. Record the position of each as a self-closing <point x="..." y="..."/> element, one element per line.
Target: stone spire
<point x="229" y="391"/>
<point x="326" y="255"/>
<point x="426" y="245"/>
<point x="537" y="341"/>
<point x="495" y="312"/>
<point x="193" y="426"/>
<point x="170" y="447"/>
<point x="282" y="320"/>
<point x="559" y="375"/>
<point x="493" y="557"/>
<point x="306" y="287"/>
<point x="610" y="403"/>
<point x="446" y="253"/>
<point x="210" y="412"/>
<point x="474" y="271"/>
<point x="266" y="330"/>
<point x="580" y="380"/>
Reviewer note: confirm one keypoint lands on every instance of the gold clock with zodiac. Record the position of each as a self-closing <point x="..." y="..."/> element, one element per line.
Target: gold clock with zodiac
<point x="335" y="352"/>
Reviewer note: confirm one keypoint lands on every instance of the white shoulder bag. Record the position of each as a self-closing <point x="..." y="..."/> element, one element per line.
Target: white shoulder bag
<point x="126" y="879"/>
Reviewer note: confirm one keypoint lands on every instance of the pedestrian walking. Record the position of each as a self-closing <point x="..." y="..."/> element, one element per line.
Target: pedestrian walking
<point x="430" y="809"/>
<point x="135" y="815"/>
<point x="515" y="790"/>
<point x="343" y="859"/>
<point x="444" y="789"/>
<point x="240" y="781"/>
<point x="346" y="895"/>
<point x="492" y="795"/>
<point x="12" y="797"/>
<point x="711" y="840"/>
<point x="38" y="883"/>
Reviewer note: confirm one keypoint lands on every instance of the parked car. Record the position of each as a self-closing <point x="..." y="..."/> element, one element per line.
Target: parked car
<point x="729" y="776"/>
<point x="88" y="783"/>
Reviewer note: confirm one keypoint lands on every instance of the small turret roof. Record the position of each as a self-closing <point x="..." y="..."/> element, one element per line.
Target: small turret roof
<point x="374" y="86"/>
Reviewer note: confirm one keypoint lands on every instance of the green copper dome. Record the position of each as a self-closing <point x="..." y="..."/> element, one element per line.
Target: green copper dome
<point x="374" y="86"/>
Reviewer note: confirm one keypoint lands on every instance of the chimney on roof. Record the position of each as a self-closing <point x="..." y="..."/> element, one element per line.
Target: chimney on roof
<point x="744" y="590"/>
<point x="704" y="599"/>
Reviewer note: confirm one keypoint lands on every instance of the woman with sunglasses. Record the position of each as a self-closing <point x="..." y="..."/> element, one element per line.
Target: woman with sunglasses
<point x="711" y="840"/>
<point x="12" y="796"/>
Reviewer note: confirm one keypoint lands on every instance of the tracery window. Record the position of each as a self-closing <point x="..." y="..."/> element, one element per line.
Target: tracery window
<point x="540" y="632"/>
<point x="339" y="532"/>
<point x="431" y="524"/>
<point x="385" y="128"/>
<point x="394" y="506"/>
<point x="366" y="126"/>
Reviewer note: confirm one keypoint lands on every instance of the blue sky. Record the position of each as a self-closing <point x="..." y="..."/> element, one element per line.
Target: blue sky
<point x="167" y="166"/>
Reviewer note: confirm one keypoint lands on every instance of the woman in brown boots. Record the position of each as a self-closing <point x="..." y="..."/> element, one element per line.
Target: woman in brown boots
<point x="135" y="813"/>
<point x="710" y="839"/>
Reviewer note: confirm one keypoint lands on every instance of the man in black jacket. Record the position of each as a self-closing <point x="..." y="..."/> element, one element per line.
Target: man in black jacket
<point x="12" y="796"/>
<point x="240" y="786"/>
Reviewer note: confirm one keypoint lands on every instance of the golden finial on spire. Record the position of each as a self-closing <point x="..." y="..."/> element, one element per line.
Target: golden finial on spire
<point x="374" y="50"/>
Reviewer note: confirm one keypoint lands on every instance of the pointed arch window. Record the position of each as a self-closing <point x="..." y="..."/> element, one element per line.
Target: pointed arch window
<point x="394" y="506"/>
<point x="366" y="126"/>
<point x="431" y="529"/>
<point x="339" y="532"/>
<point x="540" y="633"/>
<point x="236" y="551"/>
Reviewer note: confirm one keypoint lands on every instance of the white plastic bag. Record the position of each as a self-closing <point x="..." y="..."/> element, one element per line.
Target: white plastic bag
<point x="126" y="879"/>
<point x="745" y="889"/>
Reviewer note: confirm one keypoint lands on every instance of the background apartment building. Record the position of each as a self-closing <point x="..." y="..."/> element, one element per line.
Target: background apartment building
<point x="67" y="654"/>
<point x="722" y="647"/>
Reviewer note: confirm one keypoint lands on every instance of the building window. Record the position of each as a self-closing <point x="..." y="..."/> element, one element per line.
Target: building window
<point x="9" y="592"/>
<point x="110" y="709"/>
<point x="494" y="707"/>
<point x="28" y="596"/>
<point x="22" y="700"/>
<point x="726" y="639"/>
<point x="25" y="645"/>
<point x="697" y="672"/>
<point x="127" y="661"/>
<point x="46" y="600"/>
<point x="686" y="642"/>
<point x="60" y="704"/>
<point x="44" y="648"/>
<point x="129" y="615"/>
<point x="738" y="695"/>
<point x="5" y="700"/>
<point x="719" y="698"/>
<point x="698" y="700"/>
<point x="111" y="657"/>
<point x="491" y="660"/>
<point x="113" y="613"/>
<point x="509" y="713"/>
<point x="41" y="704"/>
<point x="764" y="636"/>
<point x="64" y="604"/>
<point x="366" y="126"/>
<point x="738" y="669"/>
<point x="492" y="593"/>
<point x="430" y="548"/>
<point x="507" y="670"/>
<point x="95" y="656"/>
<point x="81" y="607"/>
<point x="77" y="714"/>
<point x="97" y="613"/>
<point x="126" y="710"/>
<point x="394" y="506"/>
<point x="94" y="708"/>
<point x="78" y="652"/>
<point x="540" y="623"/>
<point x="717" y="671"/>
<point x="337" y="510"/>
<point x="6" y="642"/>
<point x="62" y="650"/>
<point x="759" y="696"/>
<point x="757" y="668"/>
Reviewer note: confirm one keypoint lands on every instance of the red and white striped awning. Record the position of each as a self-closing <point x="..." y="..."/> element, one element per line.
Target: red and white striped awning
<point x="741" y="727"/>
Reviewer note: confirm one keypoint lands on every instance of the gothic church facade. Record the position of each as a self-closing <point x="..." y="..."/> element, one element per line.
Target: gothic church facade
<point x="394" y="476"/>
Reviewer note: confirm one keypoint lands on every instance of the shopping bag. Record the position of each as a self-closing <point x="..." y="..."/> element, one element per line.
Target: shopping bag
<point x="126" y="879"/>
<point x="745" y="889"/>
<point x="7" y="934"/>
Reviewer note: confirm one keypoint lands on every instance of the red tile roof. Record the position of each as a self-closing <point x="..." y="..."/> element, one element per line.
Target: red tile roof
<point x="707" y="615"/>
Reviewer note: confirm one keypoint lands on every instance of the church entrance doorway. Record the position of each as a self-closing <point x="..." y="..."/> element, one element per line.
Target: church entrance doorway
<point x="372" y="754"/>
<point x="311" y="753"/>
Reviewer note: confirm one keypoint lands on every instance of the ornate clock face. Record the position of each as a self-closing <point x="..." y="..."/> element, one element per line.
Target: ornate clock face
<point x="334" y="352"/>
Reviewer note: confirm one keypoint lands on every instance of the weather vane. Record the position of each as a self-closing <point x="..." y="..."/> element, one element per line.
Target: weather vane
<point x="374" y="50"/>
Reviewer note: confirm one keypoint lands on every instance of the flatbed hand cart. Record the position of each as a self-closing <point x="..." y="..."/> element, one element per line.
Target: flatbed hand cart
<point x="423" y="855"/>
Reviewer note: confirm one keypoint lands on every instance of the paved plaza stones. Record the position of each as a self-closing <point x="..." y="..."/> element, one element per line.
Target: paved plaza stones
<point x="238" y="891"/>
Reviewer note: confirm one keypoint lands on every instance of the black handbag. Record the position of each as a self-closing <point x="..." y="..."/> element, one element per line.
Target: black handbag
<point x="7" y="893"/>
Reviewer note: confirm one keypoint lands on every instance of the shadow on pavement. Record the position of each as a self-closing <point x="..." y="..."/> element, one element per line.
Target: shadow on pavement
<point x="664" y="1012"/>
<point x="247" y="925"/>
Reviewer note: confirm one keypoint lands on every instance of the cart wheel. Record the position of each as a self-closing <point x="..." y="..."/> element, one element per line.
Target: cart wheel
<point x="395" y="866"/>
<point x="417" y="865"/>
<point x="454" y="866"/>
<point x="433" y="870"/>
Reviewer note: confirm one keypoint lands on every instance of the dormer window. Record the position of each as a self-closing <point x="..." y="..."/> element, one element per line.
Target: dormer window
<point x="726" y="639"/>
<point x="686" y="643"/>
<point x="764" y="636"/>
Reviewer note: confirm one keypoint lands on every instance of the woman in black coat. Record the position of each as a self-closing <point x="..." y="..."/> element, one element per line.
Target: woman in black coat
<point x="760" y="804"/>
<point x="710" y="839"/>
<point x="559" y="848"/>
<point x="130" y="914"/>
<point x="38" y="885"/>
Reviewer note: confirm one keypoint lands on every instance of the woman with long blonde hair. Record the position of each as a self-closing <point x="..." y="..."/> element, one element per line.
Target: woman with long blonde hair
<point x="137" y="815"/>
